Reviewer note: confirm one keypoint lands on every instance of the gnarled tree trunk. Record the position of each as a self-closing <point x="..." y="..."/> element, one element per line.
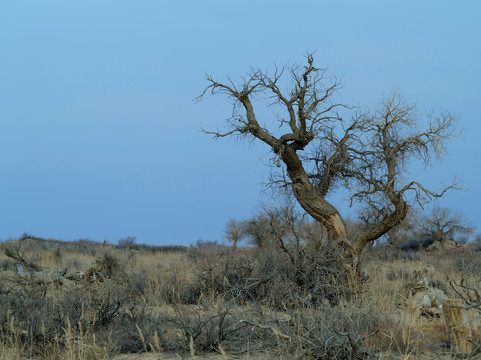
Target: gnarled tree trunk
<point x="366" y="150"/>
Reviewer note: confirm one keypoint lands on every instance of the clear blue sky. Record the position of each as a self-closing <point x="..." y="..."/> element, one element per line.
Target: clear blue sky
<point x="99" y="136"/>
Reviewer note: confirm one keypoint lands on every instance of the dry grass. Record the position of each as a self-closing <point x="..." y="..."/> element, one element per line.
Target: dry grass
<point x="214" y="301"/>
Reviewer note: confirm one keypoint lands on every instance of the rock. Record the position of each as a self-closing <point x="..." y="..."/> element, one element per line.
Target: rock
<point x="434" y="247"/>
<point x="420" y="300"/>
<point x="429" y="302"/>
<point x="446" y="245"/>
<point x="437" y="297"/>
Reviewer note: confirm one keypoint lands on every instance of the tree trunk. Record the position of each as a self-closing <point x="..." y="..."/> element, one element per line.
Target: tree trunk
<point x="312" y="201"/>
<point x="458" y="327"/>
<point x="354" y="275"/>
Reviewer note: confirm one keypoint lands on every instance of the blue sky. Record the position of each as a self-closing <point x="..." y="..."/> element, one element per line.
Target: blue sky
<point x="99" y="136"/>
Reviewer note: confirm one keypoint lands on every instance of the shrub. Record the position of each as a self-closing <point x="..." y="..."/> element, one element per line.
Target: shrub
<point x="269" y="277"/>
<point x="109" y="264"/>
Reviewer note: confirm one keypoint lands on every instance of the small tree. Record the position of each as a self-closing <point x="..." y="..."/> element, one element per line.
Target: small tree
<point x="281" y="226"/>
<point x="322" y="145"/>
<point x="443" y="225"/>
<point x="127" y="241"/>
<point x="233" y="232"/>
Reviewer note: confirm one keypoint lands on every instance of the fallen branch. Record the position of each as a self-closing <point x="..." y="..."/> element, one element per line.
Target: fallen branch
<point x="276" y="332"/>
<point x="469" y="294"/>
<point x="15" y="255"/>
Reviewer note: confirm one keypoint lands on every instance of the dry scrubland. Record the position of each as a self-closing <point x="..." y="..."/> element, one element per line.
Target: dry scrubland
<point x="212" y="302"/>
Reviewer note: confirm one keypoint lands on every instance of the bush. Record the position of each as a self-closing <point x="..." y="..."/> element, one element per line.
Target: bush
<point x="113" y="312"/>
<point x="270" y="278"/>
<point x="109" y="264"/>
<point x="129" y="240"/>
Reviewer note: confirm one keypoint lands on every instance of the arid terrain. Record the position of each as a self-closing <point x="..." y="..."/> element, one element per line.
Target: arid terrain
<point x="86" y="300"/>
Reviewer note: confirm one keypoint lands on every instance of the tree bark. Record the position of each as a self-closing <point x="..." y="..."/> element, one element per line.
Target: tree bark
<point x="312" y="201"/>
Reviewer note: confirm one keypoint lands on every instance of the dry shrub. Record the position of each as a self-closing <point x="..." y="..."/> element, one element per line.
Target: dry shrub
<point x="301" y="332"/>
<point x="248" y="301"/>
<point x="269" y="277"/>
<point x="205" y="325"/>
<point x="326" y="333"/>
<point x="391" y="335"/>
<point x="468" y="261"/>
<point x="176" y="288"/>
<point x="109" y="311"/>
<point x="109" y="264"/>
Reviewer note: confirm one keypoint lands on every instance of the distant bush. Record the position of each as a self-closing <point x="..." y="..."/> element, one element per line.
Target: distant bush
<point x="86" y="246"/>
<point x="206" y="243"/>
<point x="415" y="242"/>
<point x="129" y="240"/>
<point x="26" y="236"/>
<point x="476" y="243"/>
<point x="411" y="244"/>
<point x="204" y="249"/>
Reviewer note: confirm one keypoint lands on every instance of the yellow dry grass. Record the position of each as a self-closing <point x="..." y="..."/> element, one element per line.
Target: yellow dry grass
<point x="387" y="291"/>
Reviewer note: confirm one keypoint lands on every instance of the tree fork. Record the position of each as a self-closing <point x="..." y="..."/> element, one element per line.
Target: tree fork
<point x="366" y="153"/>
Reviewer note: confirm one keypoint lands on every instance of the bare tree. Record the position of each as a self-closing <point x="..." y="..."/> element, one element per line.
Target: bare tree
<point x="282" y="226"/>
<point x="127" y="241"/>
<point x="443" y="225"/>
<point x="273" y="226"/>
<point x="257" y="230"/>
<point x="233" y="232"/>
<point x="321" y="144"/>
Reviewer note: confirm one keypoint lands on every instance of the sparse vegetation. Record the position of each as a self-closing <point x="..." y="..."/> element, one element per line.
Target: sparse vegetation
<point x="250" y="302"/>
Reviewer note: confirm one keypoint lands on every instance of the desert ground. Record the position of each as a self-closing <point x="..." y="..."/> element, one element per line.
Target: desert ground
<point x="88" y="300"/>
